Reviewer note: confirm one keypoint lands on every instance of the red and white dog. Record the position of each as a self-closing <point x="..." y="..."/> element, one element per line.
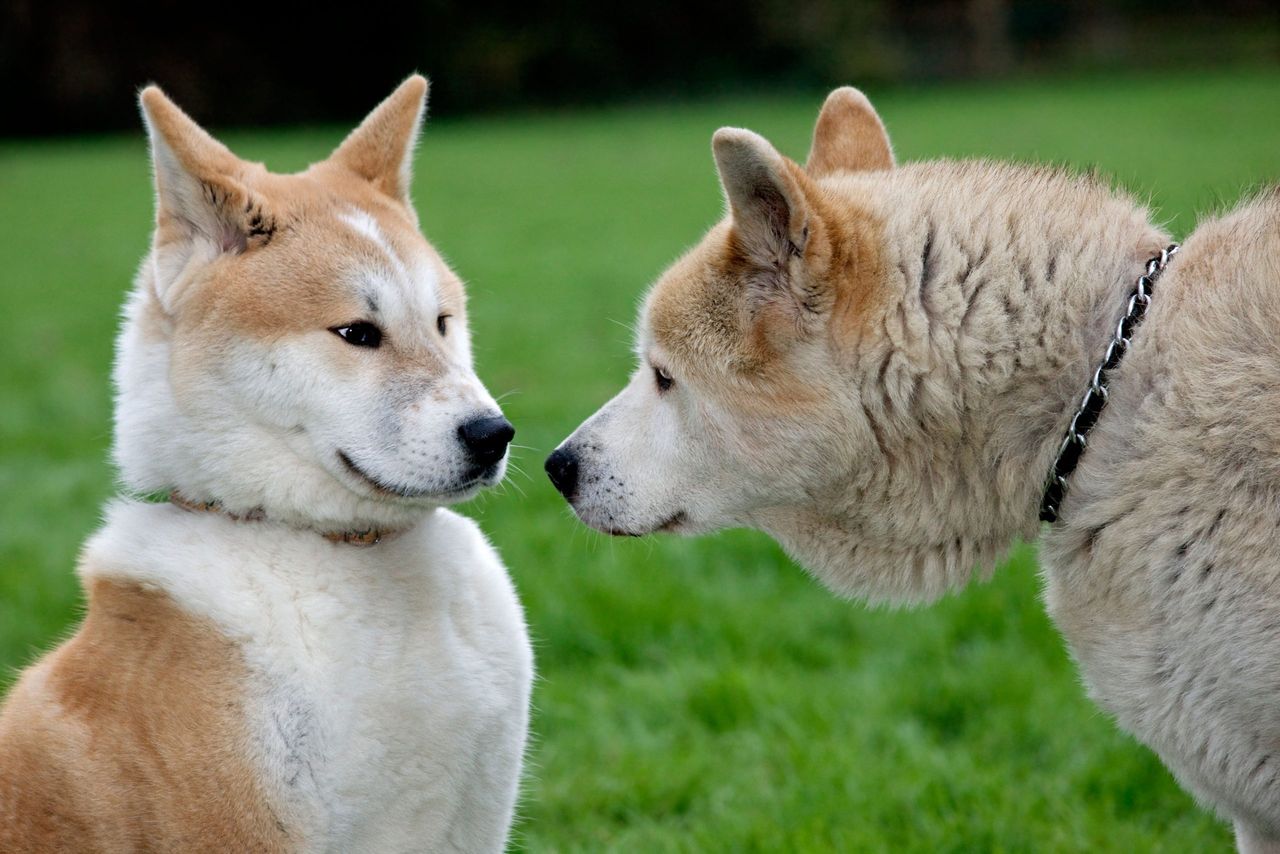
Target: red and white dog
<point x="302" y="650"/>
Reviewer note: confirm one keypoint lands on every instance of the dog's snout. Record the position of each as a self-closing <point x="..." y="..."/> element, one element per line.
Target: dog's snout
<point x="562" y="468"/>
<point x="486" y="438"/>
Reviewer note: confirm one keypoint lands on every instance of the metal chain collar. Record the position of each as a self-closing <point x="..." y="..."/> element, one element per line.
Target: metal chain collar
<point x="1095" y="398"/>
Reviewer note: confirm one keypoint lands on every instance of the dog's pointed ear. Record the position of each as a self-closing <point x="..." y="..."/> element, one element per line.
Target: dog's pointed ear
<point x="849" y="136"/>
<point x="202" y="208"/>
<point x="766" y="200"/>
<point x="380" y="150"/>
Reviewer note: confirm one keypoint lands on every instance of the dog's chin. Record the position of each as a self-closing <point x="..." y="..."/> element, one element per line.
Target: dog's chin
<point x="676" y="523"/>
<point x="475" y="483"/>
<point x="368" y="484"/>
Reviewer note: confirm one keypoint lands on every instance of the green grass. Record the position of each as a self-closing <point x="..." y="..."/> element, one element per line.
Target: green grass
<point x="694" y="695"/>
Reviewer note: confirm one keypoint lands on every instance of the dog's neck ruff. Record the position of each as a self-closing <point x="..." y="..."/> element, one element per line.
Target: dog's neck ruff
<point x="1095" y="397"/>
<point x="366" y="537"/>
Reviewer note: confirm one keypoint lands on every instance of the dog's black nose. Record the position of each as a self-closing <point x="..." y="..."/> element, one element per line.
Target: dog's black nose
<point x="486" y="438"/>
<point x="562" y="468"/>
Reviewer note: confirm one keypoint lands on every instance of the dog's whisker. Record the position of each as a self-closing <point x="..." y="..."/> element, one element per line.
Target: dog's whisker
<point x="511" y="484"/>
<point x="512" y="468"/>
<point x="629" y="326"/>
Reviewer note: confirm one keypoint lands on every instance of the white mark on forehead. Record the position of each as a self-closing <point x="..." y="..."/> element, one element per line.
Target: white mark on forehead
<point x="367" y="227"/>
<point x="643" y="343"/>
<point x="408" y="290"/>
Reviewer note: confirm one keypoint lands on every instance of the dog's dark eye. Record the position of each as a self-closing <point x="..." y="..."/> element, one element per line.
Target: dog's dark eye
<point x="442" y="323"/>
<point x="662" y="378"/>
<point x="359" y="334"/>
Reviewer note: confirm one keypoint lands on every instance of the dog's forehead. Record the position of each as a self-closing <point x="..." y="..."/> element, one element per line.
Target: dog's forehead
<point x="394" y="268"/>
<point x="695" y="311"/>
<point x="388" y="248"/>
<point x="342" y="252"/>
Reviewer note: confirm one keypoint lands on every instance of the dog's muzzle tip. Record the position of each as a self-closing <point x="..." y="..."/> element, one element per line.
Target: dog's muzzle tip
<point x="562" y="468"/>
<point x="486" y="438"/>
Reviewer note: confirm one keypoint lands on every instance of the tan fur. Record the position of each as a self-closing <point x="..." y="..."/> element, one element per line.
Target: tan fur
<point x="130" y="737"/>
<point x="698" y="315"/>
<point x="293" y="219"/>
<point x="848" y="136"/>
<point x="375" y="151"/>
<point x="877" y="366"/>
<point x="253" y="295"/>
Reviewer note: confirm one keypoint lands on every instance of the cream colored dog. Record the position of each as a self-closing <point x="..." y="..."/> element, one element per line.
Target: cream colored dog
<point x="877" y="366"/>
<point x="302" y="651"/>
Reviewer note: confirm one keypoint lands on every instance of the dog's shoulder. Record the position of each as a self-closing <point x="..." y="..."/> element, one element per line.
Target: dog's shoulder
<point x="144" y="705"/>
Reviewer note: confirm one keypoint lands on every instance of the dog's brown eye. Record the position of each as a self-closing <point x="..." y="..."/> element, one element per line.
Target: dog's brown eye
<point x="442" y="323"/>
<point x="662" y="378"/>
<point x="359" y="334"/>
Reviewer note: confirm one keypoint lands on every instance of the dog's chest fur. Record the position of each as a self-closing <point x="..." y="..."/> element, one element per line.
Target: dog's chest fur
<point x="389" y="685"/>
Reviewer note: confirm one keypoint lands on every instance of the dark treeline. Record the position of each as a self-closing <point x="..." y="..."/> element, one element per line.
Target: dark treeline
<point x="73" y="65"/>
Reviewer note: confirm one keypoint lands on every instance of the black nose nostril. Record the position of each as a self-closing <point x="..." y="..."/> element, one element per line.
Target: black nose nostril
<point x="486" y="439"/>
<point x="562" y="468"/>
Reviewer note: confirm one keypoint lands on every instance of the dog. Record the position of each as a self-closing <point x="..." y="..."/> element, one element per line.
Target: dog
<point x="303" y="649"/>
<point x="877" y="365"/>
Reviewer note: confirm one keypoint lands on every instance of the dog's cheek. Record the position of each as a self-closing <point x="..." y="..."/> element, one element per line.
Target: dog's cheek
<point x="293" y="380"/>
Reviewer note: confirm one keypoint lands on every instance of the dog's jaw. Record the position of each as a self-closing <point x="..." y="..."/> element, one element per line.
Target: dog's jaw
<point x="677" y="523"/>
<point x="464" y="491"/>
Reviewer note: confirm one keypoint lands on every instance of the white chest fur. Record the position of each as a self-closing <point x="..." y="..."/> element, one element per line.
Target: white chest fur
<point x="391" y="683"/>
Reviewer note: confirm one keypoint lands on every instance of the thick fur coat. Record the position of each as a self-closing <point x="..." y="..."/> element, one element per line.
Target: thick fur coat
<point x="876" y="364"/>
<point x="327" y="659"/>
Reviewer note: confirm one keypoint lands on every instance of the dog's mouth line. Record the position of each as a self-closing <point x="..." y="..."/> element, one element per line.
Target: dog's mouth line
<point x="676" y="520"/>
<point x="667" y="526"/>
<point x="397" y="490"/>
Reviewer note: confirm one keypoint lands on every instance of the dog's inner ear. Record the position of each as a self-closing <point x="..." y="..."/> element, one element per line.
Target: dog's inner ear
<point x="849" y="136"/>
<point x="203" y="210"/>
<point x="380" y="150"/>
<point x="766" y="202"/>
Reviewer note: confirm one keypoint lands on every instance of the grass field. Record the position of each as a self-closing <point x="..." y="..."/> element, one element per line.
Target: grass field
<point x="694" y="695"/>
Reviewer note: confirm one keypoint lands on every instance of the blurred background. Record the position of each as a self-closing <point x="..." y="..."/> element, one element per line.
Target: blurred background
<point x="694" y="695"/>
<point x="72" y="65"/>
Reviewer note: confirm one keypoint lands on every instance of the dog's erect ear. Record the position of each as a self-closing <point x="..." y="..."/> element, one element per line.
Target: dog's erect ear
<point x="381" y="149"/>
<point x="202" y="208"/>
<point x="849" y="136"/>
<point x="770" y="214"/>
